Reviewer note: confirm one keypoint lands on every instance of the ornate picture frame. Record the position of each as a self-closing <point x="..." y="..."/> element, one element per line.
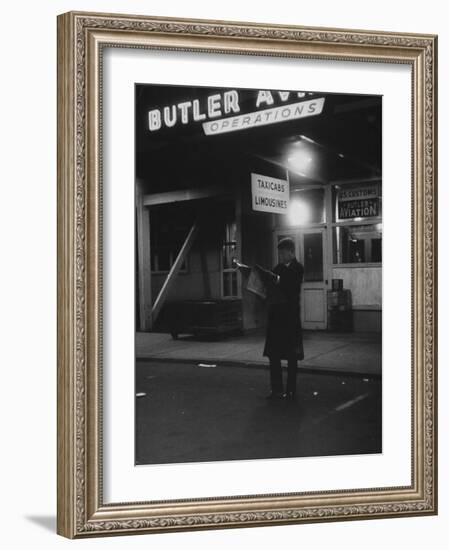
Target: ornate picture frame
<point x="82" y="510"/>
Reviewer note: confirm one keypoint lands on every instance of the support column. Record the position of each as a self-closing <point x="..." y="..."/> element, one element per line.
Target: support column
<point x="204" y="269"/>
<point x="330" y="240"/>
<point x="144" y="263"/>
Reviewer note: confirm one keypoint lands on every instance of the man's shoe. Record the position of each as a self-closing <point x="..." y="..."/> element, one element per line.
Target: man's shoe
<point x="275" y="395"/>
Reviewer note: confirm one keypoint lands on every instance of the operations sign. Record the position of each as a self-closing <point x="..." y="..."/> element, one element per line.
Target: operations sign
<point x="270" y="194"/>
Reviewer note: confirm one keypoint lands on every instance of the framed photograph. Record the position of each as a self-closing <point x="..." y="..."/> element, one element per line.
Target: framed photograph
<point x="247" y="274"/>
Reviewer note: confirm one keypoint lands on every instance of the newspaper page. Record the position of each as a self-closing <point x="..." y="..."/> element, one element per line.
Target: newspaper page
<point x="256" y="285"/>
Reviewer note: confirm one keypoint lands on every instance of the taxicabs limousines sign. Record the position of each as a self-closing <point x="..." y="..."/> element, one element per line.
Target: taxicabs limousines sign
<point x="269" y="194"/>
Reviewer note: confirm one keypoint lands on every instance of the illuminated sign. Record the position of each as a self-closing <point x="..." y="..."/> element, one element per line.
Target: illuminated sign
<point x="358" y="202"/>
<point x="358" y="209"/>
<point x="269" y="194"/>
<point x="221" y="112"/>
<point x="360" y="192"/>
<point x="188" y="111"/>
<point x="266" y="116"/>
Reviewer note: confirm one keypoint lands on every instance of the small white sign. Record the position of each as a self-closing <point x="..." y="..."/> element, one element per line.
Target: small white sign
<point x="274" y="115"/>
<point x="270" y="194"/>
<point x="370" y="191"/>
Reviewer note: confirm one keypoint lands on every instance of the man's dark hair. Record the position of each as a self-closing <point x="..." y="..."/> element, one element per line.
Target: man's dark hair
<point x="287" y="244"/>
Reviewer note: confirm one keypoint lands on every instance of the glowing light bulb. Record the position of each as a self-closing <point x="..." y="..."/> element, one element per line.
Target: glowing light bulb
<point x="299" y="213"/>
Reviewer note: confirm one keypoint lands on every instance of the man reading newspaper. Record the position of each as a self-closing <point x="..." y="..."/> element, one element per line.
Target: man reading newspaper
<point x="281" y="288"/>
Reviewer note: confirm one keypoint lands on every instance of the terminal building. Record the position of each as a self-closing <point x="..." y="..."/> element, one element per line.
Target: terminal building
<point x="224" y="174"/>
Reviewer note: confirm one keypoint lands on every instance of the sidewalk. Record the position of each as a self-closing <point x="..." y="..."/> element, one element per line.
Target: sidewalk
<point x="345" y="353"/>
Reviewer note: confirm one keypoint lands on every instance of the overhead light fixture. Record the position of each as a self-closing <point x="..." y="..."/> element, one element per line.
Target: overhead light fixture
<point x="298" y="212"/>
<point x="300" y="160"/>
<point x="305" y="138"/>
<point x="302" y="155"/>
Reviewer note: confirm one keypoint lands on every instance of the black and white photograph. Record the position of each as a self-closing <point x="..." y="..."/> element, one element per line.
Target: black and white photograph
<point x="258" y="274"/>
<point x="226" y="222"/>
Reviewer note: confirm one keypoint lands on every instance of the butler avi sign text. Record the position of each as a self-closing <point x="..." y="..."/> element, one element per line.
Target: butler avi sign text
<point x="222" y="112"/>
<point x="269" y="194"/>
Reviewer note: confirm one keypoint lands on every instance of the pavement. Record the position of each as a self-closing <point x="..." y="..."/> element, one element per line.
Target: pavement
<point x="348" y="353"/>
<point x="186" y="413"/>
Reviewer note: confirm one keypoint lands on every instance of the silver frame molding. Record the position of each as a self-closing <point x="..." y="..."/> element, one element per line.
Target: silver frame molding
<point x="81" y="37"/>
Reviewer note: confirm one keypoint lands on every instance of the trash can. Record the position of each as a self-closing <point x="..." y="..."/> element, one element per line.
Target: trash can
<point x="339" y="310"/>
<point x="337" y="284"/>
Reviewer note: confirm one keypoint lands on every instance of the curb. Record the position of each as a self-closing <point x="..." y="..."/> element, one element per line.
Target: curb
<point x="309" y="369"/>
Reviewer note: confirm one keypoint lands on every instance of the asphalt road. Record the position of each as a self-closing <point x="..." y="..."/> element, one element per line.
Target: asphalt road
<point x="188" y="413"/>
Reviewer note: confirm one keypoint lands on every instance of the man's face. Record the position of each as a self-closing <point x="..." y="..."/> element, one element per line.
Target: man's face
<point x="285" y="255"/>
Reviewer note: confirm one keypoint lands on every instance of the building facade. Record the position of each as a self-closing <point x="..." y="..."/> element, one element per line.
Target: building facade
<point x="205" y="199"/>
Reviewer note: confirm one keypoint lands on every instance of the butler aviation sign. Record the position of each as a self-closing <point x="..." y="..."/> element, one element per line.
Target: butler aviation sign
<point x="362" y="201"/>
<point x="222" y="112"/>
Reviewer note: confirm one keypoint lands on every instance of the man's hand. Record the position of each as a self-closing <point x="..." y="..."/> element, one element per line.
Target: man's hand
<point x="266" y="275"/>
<point x="245" y="269"/>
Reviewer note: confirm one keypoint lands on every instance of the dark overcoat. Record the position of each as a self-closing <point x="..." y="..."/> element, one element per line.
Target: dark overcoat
<point x="284" y="332"/>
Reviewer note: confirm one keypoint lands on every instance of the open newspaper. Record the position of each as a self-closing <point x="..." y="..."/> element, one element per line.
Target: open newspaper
<point x="255" y="284"/>
<point x="257" y="279"/>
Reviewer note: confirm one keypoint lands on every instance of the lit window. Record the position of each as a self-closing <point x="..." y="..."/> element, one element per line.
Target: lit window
<point x="358" y="244"/>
